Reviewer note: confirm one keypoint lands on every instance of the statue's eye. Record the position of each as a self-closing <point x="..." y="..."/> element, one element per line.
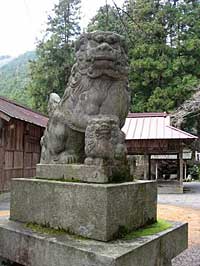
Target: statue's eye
<point x="112" y="40"/>
<point x="99" y="38"/>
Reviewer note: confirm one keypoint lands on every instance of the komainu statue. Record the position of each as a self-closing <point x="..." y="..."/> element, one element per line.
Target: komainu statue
<point x="104" y="141"/>
<point x="97" y="87"/>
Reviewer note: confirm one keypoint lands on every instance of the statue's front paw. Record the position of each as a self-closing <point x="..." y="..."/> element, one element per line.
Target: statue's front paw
<point x="68" y="158"/>
<point x="71" y="159"/>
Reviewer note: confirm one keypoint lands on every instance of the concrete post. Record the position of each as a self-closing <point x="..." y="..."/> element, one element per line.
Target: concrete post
<point x="146" y="166"/>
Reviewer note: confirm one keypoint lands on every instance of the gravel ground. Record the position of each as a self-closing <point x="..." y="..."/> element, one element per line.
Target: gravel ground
<point x="184" y="207"/>
<point x="191" y="197"/>
<point x="190" y="257"/>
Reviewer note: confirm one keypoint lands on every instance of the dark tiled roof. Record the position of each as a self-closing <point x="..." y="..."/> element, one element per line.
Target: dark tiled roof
<point x="18" y="111"/>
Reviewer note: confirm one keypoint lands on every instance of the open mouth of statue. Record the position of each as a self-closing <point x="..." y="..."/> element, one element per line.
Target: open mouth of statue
<point x="104" y="62"/>
<point x="104" y="58"/>
<point x="103" y="131"/>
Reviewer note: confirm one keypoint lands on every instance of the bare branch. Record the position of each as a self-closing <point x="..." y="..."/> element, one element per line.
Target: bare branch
<point x="121" y="19"/>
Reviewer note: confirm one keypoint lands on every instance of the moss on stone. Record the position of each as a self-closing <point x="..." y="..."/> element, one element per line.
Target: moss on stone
<point x="120" y="175"/>
<point x="123" y="232"/>
<point x="152" y="229"/>
<point x="45" y="229"/>
<point x="59" y="179"/>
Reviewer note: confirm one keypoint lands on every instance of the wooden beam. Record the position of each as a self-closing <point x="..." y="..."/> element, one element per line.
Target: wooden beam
<point x="185" y="172"/>
<point x="181" y="162"/>
<point x="153" y="146"/>
<point x="149" y="169"/>
<point x="4" y="116"/>
<point x="156" y="170"/>
<point x="146" y="166"/>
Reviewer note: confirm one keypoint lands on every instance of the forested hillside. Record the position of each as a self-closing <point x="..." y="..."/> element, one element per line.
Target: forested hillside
<point x="14" y="77"/>
<point x="4" y="59"/>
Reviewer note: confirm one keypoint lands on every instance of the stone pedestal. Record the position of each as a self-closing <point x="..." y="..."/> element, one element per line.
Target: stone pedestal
<point x="97" y="211"/>
<point x="80" y="172"/>
<point x="22" y="245"/>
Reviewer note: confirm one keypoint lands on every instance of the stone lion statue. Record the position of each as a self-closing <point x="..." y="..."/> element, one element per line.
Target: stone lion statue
<point x="105" y="147"/>
<point x="97" y="87"/>
<point x="104" y="141"/>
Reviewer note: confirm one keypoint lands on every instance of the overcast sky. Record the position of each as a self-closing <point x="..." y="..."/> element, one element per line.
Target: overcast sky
<point x="21" y="21"/>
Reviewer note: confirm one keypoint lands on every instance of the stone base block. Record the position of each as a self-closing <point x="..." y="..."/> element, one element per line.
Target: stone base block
<point x="97" y="211"/>
<point x="22" y="245"/>
<point x="81" y="172"/>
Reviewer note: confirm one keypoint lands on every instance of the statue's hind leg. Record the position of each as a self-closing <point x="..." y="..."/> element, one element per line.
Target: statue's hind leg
<point x="74" y="148"/>
<point x="61" y="144"/>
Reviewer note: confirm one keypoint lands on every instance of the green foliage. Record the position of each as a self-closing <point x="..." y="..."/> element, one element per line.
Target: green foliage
<point x="55" y="54"/>
<point x="173" y="95"/>
<point x="14" y="78"/>
<point x="160" y="76"/>
<point x="107" y="19"/>
<point x="164" y="49"/>
<point x="194" y="171"/>
<point x="152" y="229"/>
<point x="4" y="59"/>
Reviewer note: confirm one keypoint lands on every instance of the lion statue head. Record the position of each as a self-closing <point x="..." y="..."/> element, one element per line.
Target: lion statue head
<point x="102" y="53"/>
<point x="104" y="139"/>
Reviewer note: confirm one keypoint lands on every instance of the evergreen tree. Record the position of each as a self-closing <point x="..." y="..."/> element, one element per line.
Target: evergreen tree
<point x="163" y="39"/>
<point x="149" y="54"/>
<point x="184" y="40"/>
<point x="162" y="72"/>
<point x="108" y="18"/>
<point x="55" y="54"/>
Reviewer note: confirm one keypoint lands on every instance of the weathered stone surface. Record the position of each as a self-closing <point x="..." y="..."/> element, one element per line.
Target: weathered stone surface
<point x="105" y="146"/>
<point x="97" y="86"/>
<point x="82" y="172"/>
<point x="29" y="248"/>
<point x="95" y="211"/>
<point x="54" y="100"/>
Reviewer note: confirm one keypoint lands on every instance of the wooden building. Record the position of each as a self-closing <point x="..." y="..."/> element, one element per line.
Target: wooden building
<point x="20" y="133"/>
<point x="162" y="147"/>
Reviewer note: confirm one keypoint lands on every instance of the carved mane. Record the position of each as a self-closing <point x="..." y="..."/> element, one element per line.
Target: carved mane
<point x="101" y="62"/>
